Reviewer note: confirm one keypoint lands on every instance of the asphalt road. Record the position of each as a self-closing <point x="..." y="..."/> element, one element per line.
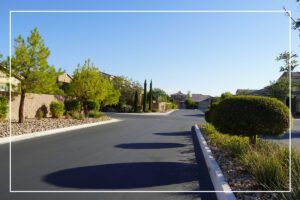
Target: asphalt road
<point x="295" y="136"/>
<point x="148" y="153"/>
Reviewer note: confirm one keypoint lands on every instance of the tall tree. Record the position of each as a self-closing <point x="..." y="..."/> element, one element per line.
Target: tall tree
<point x="150" y="97"/>
<point x="279" y="89"/>
<point x="127" y="89"/>
<point x="286" y="57"/>
<point x="160" y="95"/>
<point x="88" y="84"/>
<point x="145" y="96"/>
<point x="136" y="101"/>
<point x="113" y="95"/>
<point x="30" y="63"/>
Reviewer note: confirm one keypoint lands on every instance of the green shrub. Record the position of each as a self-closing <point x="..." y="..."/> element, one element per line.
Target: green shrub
<point x="171" y="105"/>
<point x="93" y="105"/>
<point x="3" y="108"/>
<point x="39" y="114"/>
<point x="209" y="112"/>
<point x="75" y="115"/>
<point x="95" y="114"/>
<point x="251" y="116"/>
<point x="73" y="105"/>
<point x="56" y="109"/>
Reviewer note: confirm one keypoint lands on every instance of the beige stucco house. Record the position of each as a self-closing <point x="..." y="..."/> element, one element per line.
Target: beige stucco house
<point x="4" y="80"/>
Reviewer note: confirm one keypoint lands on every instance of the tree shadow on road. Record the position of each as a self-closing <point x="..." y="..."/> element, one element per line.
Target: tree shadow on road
<point x="151" y="145"/>
<point x="124" y="175"/>
<point x="195" y="115"/>
<point x="183" y="133"/>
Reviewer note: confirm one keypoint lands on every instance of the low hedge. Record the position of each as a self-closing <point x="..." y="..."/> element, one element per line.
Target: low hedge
<point x="56" y="109"/>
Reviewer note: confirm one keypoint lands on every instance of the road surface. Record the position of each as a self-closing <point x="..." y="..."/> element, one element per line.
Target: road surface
<point x="140" y="153"/>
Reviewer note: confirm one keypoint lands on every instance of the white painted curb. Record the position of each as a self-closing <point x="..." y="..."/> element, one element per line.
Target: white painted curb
<point x="150" y="113"/>
<point x="214" y="169"/>
<point x="53" y="131"/>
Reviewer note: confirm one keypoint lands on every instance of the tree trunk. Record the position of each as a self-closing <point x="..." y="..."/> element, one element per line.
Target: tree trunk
<point x="252" y="140"/>
<point x="21" y="107"/>
<point x="85" y="109"/>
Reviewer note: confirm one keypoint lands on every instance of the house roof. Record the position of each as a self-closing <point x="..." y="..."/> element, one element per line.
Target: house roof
<point x="107" y="75"/>
<point x="295" y="76"/>
<point x="200" y="97"/>
<point x="5" y="70"/>
<point x="178" y="93"/>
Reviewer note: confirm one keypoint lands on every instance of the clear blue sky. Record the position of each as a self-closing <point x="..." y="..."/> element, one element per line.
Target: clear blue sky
<point x="206" y="53"/>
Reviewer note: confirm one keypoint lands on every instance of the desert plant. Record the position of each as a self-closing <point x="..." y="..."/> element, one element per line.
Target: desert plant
<point x="3" y="108"/>
<point x="39" y="114"/>
<point x="56" y="109"/>
<point x="75" y="115"/>
<point x="73" y="105"/>
<point x="251" y="116"/>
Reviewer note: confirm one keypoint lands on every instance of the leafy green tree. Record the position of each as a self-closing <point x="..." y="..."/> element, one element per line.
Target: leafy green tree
<point x="150" y="96"/>
<point x="225" y="95"/>
<point x="279" y="89"/>
<point x="189" y="102"/>
<point x="136" y="101"/>
<point x="160" y="95"/>
<point x="30" y="63"/>
<point x="127" y="90"/>
<point x="113" y="95"/>
<point x="285" y="56"/>
<point x="145" y="96"/>
<point x="88" y="84"/>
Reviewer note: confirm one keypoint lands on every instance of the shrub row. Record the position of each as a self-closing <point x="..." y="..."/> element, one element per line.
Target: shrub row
<point x="72" y="109"/>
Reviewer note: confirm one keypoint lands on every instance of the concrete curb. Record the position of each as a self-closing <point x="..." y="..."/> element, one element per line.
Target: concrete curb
<point x="53" y="131"/>
<point x="150" y="114"/>
<point x="214" y="169"/>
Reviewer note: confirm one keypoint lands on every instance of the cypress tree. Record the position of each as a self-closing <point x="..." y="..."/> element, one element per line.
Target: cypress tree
<point x="150" y="97"/>
<point x="136" y="101"/>
<point x="145" y="96"/>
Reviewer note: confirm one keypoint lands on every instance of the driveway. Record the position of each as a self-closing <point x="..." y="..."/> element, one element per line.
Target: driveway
<point x="140" y="153"/>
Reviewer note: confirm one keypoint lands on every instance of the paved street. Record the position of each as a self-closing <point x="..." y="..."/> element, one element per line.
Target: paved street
<point x="153" y="153"/>
<point x="295" y="136"/>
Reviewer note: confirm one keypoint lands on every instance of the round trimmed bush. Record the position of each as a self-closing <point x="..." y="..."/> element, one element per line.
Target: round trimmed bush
<point x="56" y="109"/>
<point x="251" y="116"/>
<point x="93" y="105"/>
<point x="73" y="105"/>
<point x="3" y="108"/>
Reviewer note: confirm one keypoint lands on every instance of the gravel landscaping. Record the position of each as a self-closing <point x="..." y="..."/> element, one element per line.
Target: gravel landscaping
<point x="34" y="125"/>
